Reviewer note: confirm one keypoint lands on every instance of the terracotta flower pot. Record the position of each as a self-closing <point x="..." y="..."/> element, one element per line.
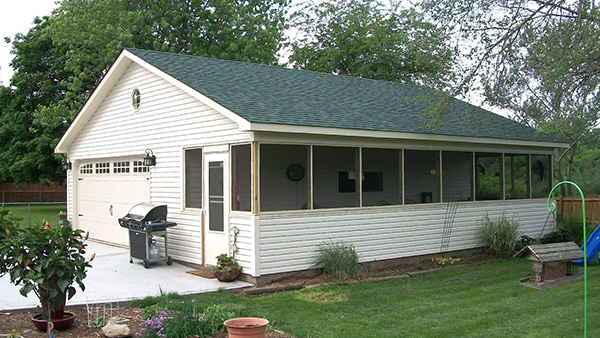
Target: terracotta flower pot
<point x="60" y="323"/>
<point x="246" y="327"/>
<point x="227" y="276"/>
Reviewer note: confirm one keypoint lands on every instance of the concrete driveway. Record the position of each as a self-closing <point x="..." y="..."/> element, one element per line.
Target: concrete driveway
<point x="113" y="279"/>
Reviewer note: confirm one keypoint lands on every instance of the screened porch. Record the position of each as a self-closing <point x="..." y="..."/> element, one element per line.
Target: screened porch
<point x="305" y="177"/>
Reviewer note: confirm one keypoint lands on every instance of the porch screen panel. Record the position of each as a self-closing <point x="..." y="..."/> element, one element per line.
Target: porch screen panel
<point x="421" y="180"/>
<point x="457" y="179"/>
<point x="334" y="177"/>
<point x="515" y="176"/>
<point x="381" y="177"/>
<point x="241" y="185"/>
<point x="193" y="178"/>
<point x="284" y="177"/>
<point x="541" y="182"/>
<point x="488" y="176"/>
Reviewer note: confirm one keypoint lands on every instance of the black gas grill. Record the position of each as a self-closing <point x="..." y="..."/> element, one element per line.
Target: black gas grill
<point x="146" y="221"/>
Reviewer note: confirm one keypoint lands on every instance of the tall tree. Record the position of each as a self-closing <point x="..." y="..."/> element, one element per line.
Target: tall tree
<point x="540" y="59"/>
<point x="362" y="38"/>
<point x="64" y="56"/>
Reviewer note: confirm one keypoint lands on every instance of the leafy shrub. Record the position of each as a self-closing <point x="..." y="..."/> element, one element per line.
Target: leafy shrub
<point x="99" y="321"/>
<point x="569" y="229"/>
<point x="45" y="259"/>
<point x="151" y="311"/>
<point x="501" y="235"/>
<point x="187" y="320"/>
<point x="447" y="260"/>
<point x="337" y="259"/>
<point x="524" y="241"/>
<point x="184" y="323"/>
<point x="572" y="227"/>
<point x="214" y="316"/>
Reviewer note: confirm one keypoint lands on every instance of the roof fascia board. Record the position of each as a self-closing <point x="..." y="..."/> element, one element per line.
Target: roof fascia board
<point x="265" y="127"/>
<point x="242" y="123"/>
<point x="110" y="79"/>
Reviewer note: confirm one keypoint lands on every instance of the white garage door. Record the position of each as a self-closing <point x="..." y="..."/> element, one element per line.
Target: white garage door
<point x="105" y="191"/>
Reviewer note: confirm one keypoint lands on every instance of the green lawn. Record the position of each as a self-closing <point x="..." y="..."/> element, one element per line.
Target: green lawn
<point x="478" y="301"/>
<point x="39" y="212"/>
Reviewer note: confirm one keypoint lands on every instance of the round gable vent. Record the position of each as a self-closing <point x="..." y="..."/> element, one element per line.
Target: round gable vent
<point x="136" y="99"/>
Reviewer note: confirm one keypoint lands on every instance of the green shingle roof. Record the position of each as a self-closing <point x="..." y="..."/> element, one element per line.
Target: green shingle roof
<point x="277" y="95"/>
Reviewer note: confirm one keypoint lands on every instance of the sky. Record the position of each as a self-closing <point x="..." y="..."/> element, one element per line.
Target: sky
<point x="16" y="16"/>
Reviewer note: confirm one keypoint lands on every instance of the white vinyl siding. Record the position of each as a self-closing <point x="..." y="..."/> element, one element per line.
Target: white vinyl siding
<point x="288" y="242"/>
<point x="168" y="121"/>
<point x="246" y="242"/>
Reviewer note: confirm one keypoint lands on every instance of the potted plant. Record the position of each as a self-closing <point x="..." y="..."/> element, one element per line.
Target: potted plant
<point x="44" y="259"/>
<point x="246" y="327"/>
<point x="227" y="269"/>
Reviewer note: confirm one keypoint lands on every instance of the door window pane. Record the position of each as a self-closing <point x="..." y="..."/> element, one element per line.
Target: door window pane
<point x="215" y="196"/>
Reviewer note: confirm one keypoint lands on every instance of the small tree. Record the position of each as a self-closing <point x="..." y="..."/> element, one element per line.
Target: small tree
<point x="44" y="259"/>
<point x="361" y="38"/>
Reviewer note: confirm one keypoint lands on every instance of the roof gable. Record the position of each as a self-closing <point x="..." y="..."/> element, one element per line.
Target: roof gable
<point x="277" y="95"/>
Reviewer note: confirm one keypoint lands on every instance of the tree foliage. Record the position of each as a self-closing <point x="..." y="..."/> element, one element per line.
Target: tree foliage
<point x="539" y="59"/>
<point x="61" y="60"/>
<point x="361" y="38"/>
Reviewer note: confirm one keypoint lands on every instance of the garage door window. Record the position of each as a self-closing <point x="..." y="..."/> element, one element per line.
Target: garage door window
<point x="139" y="167"/>
<point x="103" y="168"/>
<point x="121" y="167"/>
<point x="86" y="169"/>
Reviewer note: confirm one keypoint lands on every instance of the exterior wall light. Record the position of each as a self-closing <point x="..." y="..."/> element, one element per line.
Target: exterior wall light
<point x="67" y="165"/>
<point x="150" y="159"/>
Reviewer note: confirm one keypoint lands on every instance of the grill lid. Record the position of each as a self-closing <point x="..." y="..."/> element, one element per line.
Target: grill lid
<point x="146" y="212"/>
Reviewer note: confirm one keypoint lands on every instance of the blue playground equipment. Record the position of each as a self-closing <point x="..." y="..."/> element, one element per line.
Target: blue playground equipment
<point x="593" y="247"/>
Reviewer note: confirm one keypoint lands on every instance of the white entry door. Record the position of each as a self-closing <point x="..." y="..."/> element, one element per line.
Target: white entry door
<point x="216" y="229"/>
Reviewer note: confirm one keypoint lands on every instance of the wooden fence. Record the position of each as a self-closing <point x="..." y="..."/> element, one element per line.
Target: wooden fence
<point x="32" y="193"/>
<point x="571" y="207"/>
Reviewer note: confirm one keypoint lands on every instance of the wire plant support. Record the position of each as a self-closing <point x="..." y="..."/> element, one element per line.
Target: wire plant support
<point x="448" y="223"/>
<point x="552" y="208"/>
